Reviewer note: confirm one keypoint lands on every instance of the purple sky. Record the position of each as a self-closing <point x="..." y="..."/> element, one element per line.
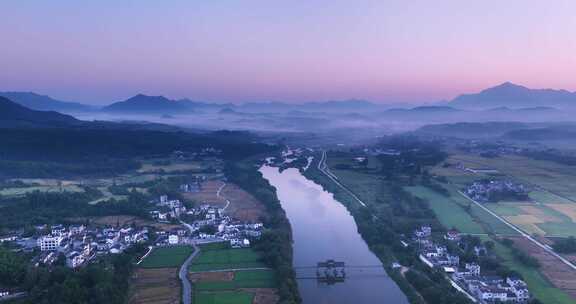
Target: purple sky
<point x="298" y="50"/>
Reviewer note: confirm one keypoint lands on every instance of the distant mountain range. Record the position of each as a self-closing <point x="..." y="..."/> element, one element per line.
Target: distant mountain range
<point x="44" y="103"/>
<point x="147" y="104"/>
<point x="16" y="115"/>
<point x="515" y="96"/>
<point x="504" y="97"/>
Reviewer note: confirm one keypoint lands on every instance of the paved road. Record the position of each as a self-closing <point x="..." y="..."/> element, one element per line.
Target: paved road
<point x="323" y="167"/>
<point x="183" y="273"/>
<point x="546" y="248"/>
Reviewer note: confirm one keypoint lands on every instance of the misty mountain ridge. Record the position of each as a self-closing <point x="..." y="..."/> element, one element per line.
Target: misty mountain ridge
<point x="505" y="97"/>
<point x="519" y="131"/>
<point x="14" y="115"/>
<point x="515" y="96"/>
<point x="44" y="103"/>
<point x="146" y="104"/>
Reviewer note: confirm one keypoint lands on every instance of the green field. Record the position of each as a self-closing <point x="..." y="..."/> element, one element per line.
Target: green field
<point x="226" y="258"/>
<point x="219" y="256"/>
<point x="228" y="297"/>
<point x="504" y="209"/>
<point x="548" y="198"/>
<point x="242" y="279"/>
<point x="450" y="213"/>
<point x="367" y="186"/>
<point x="167" y="257"/>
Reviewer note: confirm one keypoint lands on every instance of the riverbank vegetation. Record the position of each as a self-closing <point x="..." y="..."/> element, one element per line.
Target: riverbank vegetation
<point x="399" y="202"/>
<point x="275" y="244"/>
<point x="391" y="213"/>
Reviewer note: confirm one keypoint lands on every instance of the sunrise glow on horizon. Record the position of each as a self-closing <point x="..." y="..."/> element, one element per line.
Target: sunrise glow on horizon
<point x="289" y="51"/>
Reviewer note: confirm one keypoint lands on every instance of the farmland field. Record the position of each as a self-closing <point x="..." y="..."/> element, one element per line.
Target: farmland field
<point x="155" y="286"/>
<point x="368" y="187"/>
<point x="548" y="198"/>
<point x="450" y="213"/>
<point x="538" y="283"/>
<point x="242" y="279"/>
<point x="224" y="297"/>
<point x="540" y="219"/>
<point x="237" y="286"/>
<point x="166" y="257"/>
<point x="243" y="206"/>
<point x="217" y="259"/>
<point x="556" y="178"/>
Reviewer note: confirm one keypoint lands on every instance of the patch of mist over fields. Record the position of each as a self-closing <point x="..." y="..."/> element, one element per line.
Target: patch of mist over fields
<point x="387" y="121"/>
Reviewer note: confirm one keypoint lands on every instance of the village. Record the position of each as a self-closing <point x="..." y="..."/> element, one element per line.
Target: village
<point x="467" y="278"/>
<point x="494" y="190"/>
<point x="77" y="245"/>
<point x="207" y="223"/>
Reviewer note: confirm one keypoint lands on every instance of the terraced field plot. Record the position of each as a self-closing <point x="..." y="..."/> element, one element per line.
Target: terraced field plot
<point x="167" y="257"/>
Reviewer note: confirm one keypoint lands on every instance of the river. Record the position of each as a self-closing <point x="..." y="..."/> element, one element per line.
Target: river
<point x="323" y="229"/>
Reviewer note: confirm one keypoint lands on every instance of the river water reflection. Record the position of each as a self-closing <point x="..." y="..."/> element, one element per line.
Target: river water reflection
<point x="323" y="229"/>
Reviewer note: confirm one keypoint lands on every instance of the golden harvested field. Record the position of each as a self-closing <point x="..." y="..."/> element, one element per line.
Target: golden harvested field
<point x="567" y="209"/>
<point x="527" y="222"/>
<point x="208" y="194"/>
<point x="155" y="286"/>
<point x="243" y="206"/>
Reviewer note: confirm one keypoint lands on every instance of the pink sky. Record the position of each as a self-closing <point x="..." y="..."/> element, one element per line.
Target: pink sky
<point x="293" y="51"/>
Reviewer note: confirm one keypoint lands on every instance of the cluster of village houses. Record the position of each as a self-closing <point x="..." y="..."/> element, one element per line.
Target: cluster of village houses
<point x="468" y="278"/>
<point x="485" y="190"/>
<point x="210" y="224"/>
<point x="80" y="244"/>
<point x="77" y="243"/>
<point x="167" y="209"/>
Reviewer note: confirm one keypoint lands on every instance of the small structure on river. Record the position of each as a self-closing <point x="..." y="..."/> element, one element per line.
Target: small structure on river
<point x="330" y="272"/>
